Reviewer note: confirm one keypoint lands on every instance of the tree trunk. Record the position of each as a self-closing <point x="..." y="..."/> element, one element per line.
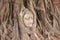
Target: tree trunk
<point x="29" y="20"/>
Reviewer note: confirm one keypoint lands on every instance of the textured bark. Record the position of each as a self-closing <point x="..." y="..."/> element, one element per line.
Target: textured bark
<point x="46" y="18"/>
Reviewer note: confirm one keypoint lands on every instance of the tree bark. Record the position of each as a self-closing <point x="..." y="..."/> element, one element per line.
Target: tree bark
<point x="43" y="25"/>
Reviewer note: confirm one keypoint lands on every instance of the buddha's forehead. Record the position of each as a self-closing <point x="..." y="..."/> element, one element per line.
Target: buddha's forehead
<point x="28" y="14"/>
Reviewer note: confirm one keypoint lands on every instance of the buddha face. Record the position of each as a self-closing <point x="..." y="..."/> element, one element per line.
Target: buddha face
<point x="28" y="19"/>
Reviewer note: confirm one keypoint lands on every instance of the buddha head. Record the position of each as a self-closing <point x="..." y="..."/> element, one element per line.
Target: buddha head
<point x="28" y="19"/>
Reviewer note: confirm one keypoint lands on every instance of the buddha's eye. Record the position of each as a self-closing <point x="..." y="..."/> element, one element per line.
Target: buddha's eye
<point x="27" y="18"/>
<point x="31" y="17"/>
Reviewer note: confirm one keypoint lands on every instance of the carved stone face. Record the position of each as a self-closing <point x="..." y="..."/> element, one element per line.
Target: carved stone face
<point x="28" y="19"/>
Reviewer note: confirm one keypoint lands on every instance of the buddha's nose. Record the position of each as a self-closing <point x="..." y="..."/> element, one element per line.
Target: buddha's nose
<point x="31" y="20"/>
